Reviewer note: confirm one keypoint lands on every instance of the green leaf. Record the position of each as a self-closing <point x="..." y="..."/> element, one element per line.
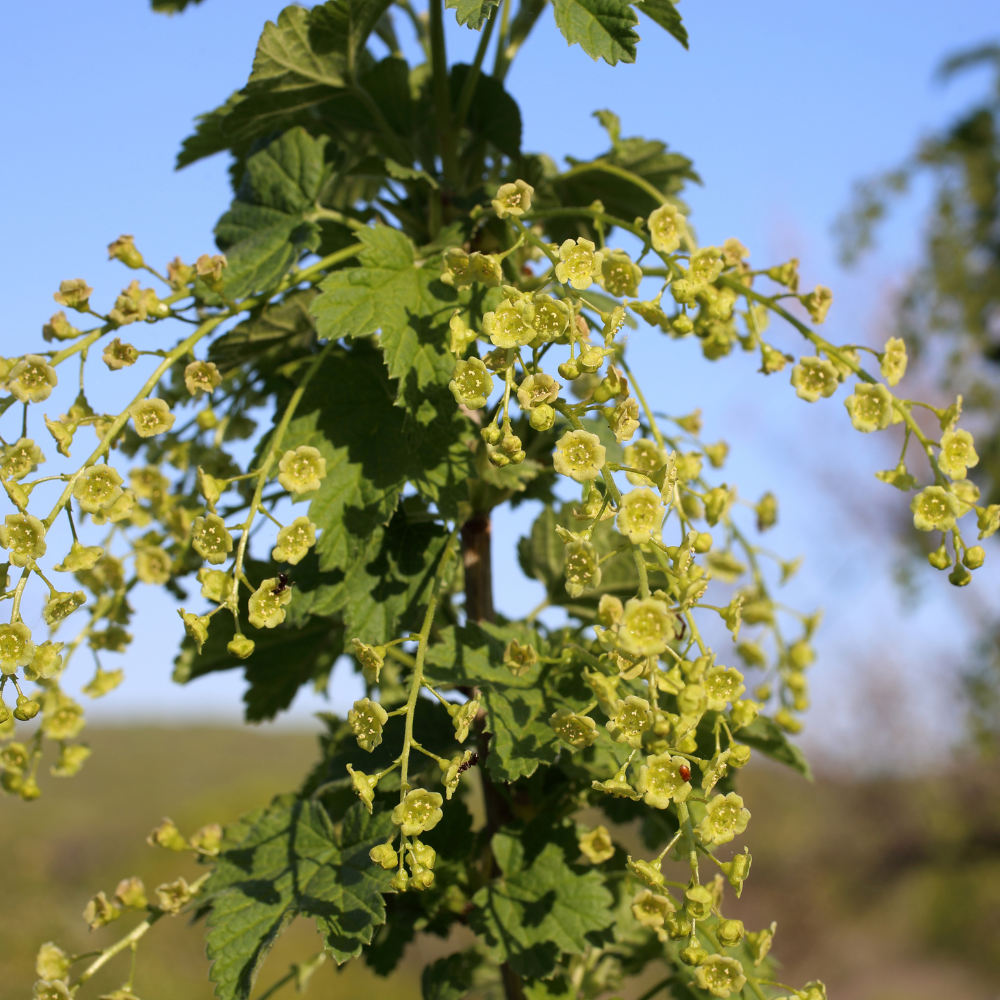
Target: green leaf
<point x="604" y="28"/>
<point x="493" y="115"/>
<point x="371" y="569"/>
<point x="274" y="334"/>
<point x="539" y="909"/>
<point x="765" y="735"/>
<point x="171" y="6"/>
<point x="282" y="862"/>
<point x="395" y="294"/>
<point x="517" y="708"/>
<point x="266" y="230"/>
<point x="472" y="13"/>
<point x="542" y="553"/>
<point x="450" y="978"/>
<point x="209" y="136"/>
<point x="666" y="15"/>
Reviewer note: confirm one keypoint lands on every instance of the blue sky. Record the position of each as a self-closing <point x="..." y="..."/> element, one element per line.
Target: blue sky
<point x="782" y="104"/>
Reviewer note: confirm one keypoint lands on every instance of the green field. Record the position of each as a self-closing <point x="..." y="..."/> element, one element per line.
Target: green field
<point x="883" y="871"/>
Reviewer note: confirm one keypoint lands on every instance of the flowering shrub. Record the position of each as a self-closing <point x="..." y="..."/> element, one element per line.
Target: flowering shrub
<point x="403" y="284"/>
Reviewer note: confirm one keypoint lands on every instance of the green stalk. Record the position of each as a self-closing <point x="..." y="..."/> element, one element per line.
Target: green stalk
<point x="442" y="97"/>
<point x="417" y="680"/>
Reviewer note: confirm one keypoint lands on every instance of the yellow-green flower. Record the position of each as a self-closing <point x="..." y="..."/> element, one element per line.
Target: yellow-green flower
<point x="202" y="376"/>
<point x="152" y="565"/>
<point x="579" y="455"/>
<point x="510" y="324"/>
<point x="661" y="782"/>
<point x="814" y="377"/>
<point x="579" y="263"/>
<point x="294" y="541"/>
<point x="725" y="817"/>
<point x="419" y="812"/>
<point x="722" y="685"/>
<point x="267" y="604"/>
<point x="647" y="626"/>
<point x="20" y="458"/>
<point x="302" y="470"/>
<point x="211" y="539"/>
<point x="24" y="536"/>
<point x="651" y="908"/>
<point x="631" y="719"/>
<point x="596" y="845"/>
<point x="551" y="318"/>
<point x="366" y="720"/>
<point x="471" y="383"/>
<point x="640" y="516"/>
<point x="32" y="379"/>
<point x="934" y="509"/>
<point x="720" y="975"/>
<point x="646" y="456"/>
<point x="619" y="275"/>
<point x="666" y="228"/>
<point x="958" y="454"/>
<point x="893" y="364"/>
<point x="16" y="647"/>
<point x="577" y="730"/>
<point x="151" y="417"/>
<point x="513" y="199"/>
<point x="870" y="407"/>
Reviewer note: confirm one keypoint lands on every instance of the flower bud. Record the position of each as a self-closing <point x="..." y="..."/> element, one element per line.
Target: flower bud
<point x="542" y="417"/>
<point x="974" y="557"/>
<point x="569" y="370"/>
<point x="498" y="459"/>
<point x="737" y="870"/>
<point x="730" y="933"/>
<point x="124" y="249"/>
<point x="364" y="786"/>
<point x="206" y="419"/>
<point x="958" y="577"/>
<point x="939" y="558"/>
<point x="240" y="646"/>
<point x="26" y="708"/>
<point x="384" y="855"/>
<point x="739" y="755"/>
<point x="693" y="954"/>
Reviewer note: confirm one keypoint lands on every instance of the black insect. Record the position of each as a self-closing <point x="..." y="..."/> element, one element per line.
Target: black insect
<point x="466" y="764"/>
<point x="282" y="584"/>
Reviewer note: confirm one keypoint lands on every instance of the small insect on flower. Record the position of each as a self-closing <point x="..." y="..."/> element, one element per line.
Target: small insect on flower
<point x="466" y="764"/>
<point x="685" y="772"/>
<point x="282" y="584"/>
